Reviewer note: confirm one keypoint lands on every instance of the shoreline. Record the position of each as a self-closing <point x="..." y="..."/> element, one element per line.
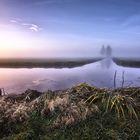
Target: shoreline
<point x="46" y="63"/>
<point x="63" y="62"/>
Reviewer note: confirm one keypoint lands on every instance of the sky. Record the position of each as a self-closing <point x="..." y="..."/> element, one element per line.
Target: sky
<point x="69" y="28"/>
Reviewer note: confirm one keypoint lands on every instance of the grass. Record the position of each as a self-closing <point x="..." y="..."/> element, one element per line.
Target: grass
<point x="123" y="105"/>
<point x="127" y="62"/>
<point x="81" y="113"/>
<point x="45" y="63"/>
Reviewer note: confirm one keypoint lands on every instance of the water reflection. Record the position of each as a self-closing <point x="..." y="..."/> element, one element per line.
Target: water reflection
<point x="100" y="74"/>
<point x="106" y="63"/>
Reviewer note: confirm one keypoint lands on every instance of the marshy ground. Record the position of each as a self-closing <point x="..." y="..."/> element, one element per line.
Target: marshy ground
<point x="81" y="112"/>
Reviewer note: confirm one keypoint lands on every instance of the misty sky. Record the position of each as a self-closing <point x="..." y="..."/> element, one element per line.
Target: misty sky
<point x="68" y="28"/>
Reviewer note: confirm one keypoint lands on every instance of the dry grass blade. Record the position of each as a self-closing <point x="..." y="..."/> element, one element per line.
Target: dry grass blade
<point x="123" y="105"/>
<point x="108" y="102"/>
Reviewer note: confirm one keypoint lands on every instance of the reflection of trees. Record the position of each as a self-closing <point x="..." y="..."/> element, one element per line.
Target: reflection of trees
<point x="106" y="63"/>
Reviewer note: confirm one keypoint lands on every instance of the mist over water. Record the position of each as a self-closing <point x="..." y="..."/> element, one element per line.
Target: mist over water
<point x="100" y="74"/>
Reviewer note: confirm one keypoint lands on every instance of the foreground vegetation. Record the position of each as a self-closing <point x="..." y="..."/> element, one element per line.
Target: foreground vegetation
<point x="81" y="113"/>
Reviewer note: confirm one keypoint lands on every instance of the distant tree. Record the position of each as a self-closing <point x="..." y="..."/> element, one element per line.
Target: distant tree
<point x="108" y="51"/>
<point x="102" y="50"/>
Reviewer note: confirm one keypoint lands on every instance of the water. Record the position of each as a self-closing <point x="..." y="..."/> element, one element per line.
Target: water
<point x="100" y="74"/>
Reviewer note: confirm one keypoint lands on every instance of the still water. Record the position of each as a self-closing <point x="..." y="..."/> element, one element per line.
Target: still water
<point x="100" y="74"/>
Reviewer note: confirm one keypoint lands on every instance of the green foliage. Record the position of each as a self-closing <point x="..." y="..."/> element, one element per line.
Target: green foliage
<point x="99" y="127"/>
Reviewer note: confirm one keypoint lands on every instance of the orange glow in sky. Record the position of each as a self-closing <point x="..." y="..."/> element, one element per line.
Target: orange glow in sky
<point x="16" y="43"/>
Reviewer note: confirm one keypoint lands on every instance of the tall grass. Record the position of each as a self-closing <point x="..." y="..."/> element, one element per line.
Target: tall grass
<point x="123" y="105"/>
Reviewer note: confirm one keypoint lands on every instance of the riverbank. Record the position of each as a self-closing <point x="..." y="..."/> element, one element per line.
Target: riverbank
<point x="81" y="112"/>
<point x="46" y="62"/>
<point x="127" y="62"/>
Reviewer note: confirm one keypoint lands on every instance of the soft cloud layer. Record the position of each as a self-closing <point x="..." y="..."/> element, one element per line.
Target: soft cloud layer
<point x="30" y="26"/>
